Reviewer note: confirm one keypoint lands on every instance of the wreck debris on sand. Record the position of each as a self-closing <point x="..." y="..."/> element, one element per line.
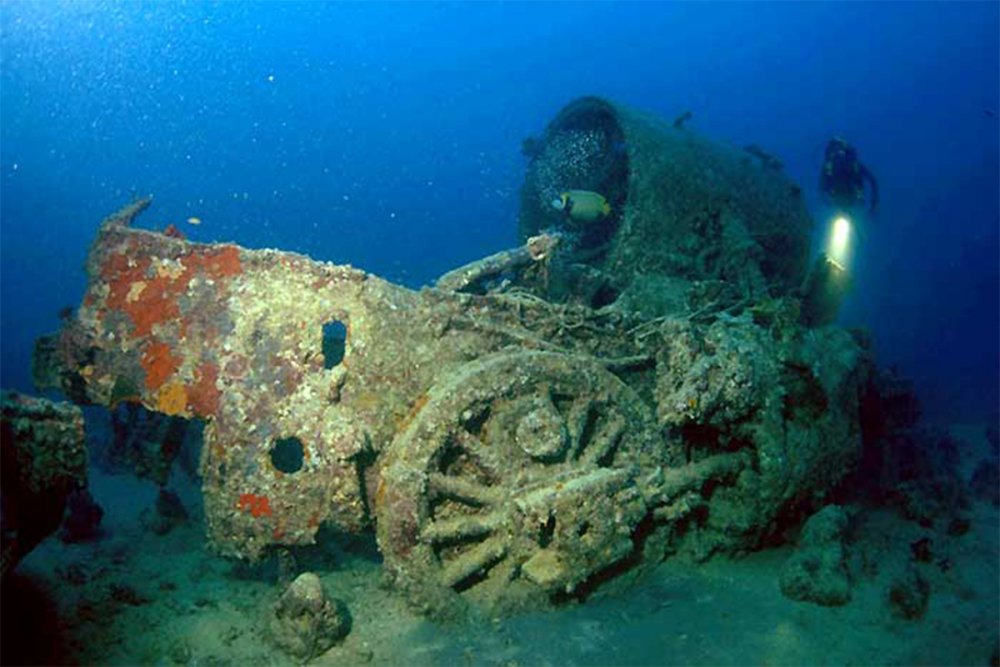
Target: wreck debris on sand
<point x="510" y="450"/>
<point x="541" y="423"/>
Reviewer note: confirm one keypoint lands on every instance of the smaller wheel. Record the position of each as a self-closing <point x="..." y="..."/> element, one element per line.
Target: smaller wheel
<point x="514" y="482"/>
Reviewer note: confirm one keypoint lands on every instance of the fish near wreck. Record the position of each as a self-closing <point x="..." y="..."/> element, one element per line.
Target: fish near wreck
<point x="582" y="206"/>
<point x="511" y="452"/>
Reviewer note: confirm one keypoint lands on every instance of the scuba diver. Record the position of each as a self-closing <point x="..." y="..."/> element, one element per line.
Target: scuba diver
<point x="842" y="179"/>
<point x="842" y="182"/>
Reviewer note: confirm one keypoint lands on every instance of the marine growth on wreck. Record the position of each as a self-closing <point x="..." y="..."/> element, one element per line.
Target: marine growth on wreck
<point x="548" y="421"/>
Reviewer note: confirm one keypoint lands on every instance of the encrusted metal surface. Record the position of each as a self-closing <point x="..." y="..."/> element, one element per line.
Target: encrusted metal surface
<point x="511" y="450"/>
<point x="44" y="458"/>
<point x="235" y="336"/>
<point x="517" y="479"/>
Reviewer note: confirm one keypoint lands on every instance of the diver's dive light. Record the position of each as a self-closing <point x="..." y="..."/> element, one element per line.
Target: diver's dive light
<point x="840" y="242"/>
<point x="828" y="282"/>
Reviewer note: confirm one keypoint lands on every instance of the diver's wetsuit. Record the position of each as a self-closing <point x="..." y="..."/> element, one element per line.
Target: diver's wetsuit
<point x="843" y="177"/>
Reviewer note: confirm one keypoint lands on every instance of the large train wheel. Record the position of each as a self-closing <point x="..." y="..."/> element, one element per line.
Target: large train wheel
<point x="514" y="482"/>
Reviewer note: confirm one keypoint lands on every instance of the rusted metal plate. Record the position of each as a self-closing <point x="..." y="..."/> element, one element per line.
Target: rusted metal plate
<point x="235" y="337"/>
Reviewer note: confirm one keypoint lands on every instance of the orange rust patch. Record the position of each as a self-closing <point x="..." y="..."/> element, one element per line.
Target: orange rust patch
<point x="121" y="272"/>
<point x="203" y="396"/>
<point x="147" y="300"/>
<point x="172" y="399"/>
<point x="154" y="305"/>
<point x="217" y="262"/>
<point x="159" y="363"/>
<point x="152" y="299"/>
<point x="258" y="506"/>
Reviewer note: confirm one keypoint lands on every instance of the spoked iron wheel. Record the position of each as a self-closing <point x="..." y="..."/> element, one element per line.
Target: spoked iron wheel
<point x="514" y="482"/>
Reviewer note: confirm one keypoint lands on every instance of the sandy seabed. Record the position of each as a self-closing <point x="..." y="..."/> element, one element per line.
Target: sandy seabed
<point x="135" y="598"/>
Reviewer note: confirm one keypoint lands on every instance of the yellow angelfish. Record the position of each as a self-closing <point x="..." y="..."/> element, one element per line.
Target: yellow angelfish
<point x="582" y="205"/>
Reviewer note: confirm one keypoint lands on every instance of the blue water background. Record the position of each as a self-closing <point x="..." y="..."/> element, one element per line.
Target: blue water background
<point x="388" y="136"/>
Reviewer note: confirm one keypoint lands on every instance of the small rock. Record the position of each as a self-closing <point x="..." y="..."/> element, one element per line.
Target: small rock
<point x="305" y="621"/>
<point x="817" y="571"/>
